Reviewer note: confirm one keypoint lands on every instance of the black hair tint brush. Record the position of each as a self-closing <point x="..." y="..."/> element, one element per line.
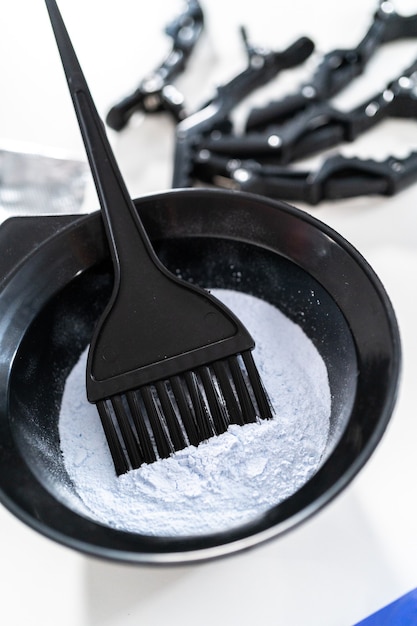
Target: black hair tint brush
<point x="168" y="366"/>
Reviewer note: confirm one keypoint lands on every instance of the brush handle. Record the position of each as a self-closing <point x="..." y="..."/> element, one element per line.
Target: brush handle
<point x="121" y="220"/>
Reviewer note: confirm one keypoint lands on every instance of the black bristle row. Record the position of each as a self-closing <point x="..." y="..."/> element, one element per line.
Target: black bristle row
<point x="159" y="419"/>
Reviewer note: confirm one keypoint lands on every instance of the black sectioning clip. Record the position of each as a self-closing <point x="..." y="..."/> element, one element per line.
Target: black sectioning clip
<point x="263" y="65"/>
<point x="338" y="177"/>
<point x="156" y="91"/>
<point x="323" y="126"/>
<point x="256" y="161"/>
<point x="337" y="68"/>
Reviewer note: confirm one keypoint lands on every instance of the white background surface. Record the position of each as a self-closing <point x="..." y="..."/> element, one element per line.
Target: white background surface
<point x="361" y="551"/>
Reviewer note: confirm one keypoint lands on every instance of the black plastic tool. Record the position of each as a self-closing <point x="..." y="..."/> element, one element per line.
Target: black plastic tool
<point x="263" y="65"/>
<point x="156" y="92"/>
<point x="338" y="177"/>
<point x="336" y="69"/>
<point x="168" y="364"/>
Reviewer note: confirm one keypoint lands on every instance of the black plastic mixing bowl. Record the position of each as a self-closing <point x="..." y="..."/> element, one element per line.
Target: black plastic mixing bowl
<point x="56" y="278"/>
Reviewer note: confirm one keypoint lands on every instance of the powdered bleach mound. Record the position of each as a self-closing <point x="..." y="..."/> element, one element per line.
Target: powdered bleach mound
<point x="228" y="480"/>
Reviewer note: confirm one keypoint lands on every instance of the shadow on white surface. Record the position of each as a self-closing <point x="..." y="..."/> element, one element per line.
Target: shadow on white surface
<point x="317" y="576"/>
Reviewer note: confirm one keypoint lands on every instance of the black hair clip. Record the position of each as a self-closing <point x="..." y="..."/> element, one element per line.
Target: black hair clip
<point x="337" y="68"/>
<point x="156" y="91"/>
<point x="338" y="177"/>
<point x="263" y="65"/>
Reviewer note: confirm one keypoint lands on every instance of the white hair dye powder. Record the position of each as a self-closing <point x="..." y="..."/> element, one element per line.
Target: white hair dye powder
<point x="230" y="479"/>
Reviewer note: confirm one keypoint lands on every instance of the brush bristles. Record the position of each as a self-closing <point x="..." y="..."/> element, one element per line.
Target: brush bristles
<point x="157" y="420"/>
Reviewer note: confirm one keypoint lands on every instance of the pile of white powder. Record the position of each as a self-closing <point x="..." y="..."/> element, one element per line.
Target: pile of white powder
<point x="228" y="480"/>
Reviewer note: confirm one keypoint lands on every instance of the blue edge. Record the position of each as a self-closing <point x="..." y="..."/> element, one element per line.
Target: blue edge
<point x="401" y="612"/>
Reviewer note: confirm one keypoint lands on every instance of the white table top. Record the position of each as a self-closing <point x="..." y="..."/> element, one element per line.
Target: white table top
<point x="360" y="552"/>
